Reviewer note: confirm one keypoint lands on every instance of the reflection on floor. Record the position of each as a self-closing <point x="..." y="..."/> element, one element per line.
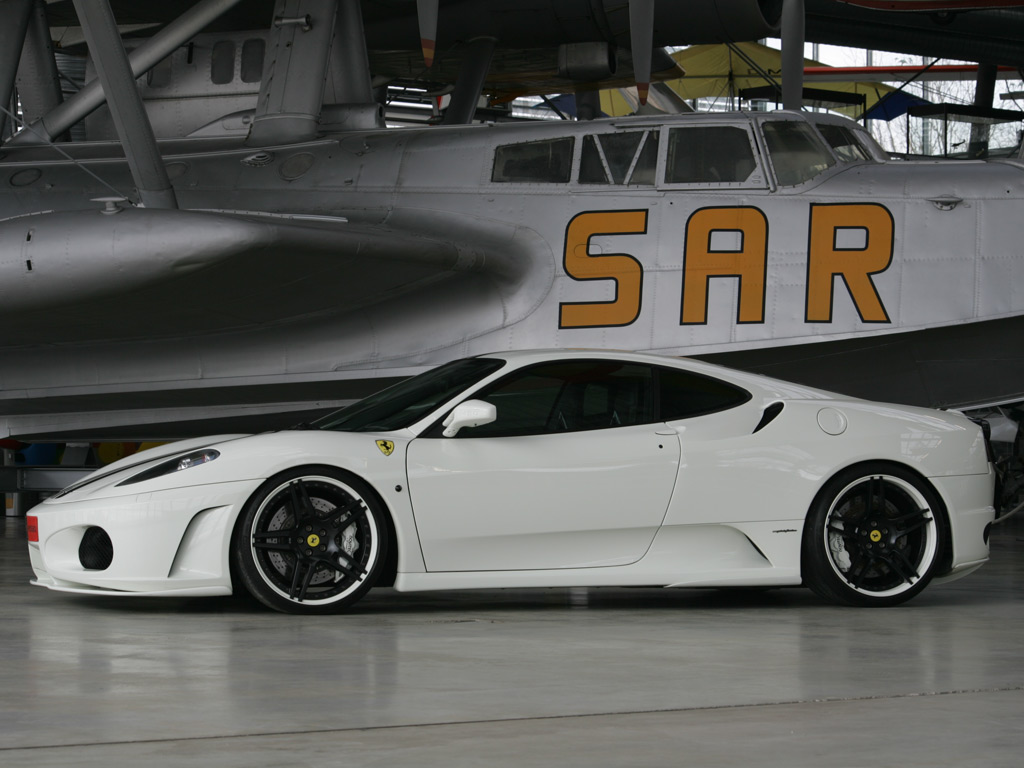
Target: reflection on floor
<point x="566" y="677"/>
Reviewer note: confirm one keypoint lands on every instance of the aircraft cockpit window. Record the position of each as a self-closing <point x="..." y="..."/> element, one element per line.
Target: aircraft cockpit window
<point x="222" y="62"/>
<point x="646" y="162"/>
<point x="844" y="143"/>
<point x="709" y="155"/>
<point x="797" y="154"/>
<point x="592" y="167"/>
<point x="534" y="161"/>
<point x="619" y="158"/>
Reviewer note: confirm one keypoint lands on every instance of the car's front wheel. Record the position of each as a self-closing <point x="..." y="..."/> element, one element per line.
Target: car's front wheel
<point x="311" y="540"/>
<point x="874" y="536"/>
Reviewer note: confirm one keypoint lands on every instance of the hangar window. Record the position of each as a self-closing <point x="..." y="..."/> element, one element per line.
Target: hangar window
<point x="684" y="394"/>
<point x="222" y="62"/>
<point x="534" y="161"/>
<point x="709" y="155"/>
<point x="252" y="60"/>
<point x="568" y="396"/>
<point x="797" y="154"/>
<point x="619" y="158"/>
<point x="844" y="143"/>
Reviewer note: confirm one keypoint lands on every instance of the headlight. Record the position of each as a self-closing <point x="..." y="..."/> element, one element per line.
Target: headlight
<point x="187" y="461"/>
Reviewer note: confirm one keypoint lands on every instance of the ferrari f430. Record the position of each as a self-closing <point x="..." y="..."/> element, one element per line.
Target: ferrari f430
<point x="541" y="469"/>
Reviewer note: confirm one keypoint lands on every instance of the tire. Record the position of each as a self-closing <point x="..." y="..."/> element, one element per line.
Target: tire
<point x="874" y="536"/>
<point x="311" y="540"/>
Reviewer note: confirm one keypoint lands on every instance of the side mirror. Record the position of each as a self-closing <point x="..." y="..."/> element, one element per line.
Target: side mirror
<point x="471" y="413"/>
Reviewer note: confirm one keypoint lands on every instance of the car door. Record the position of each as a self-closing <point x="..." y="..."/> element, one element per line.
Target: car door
<point x="574" y="473"/>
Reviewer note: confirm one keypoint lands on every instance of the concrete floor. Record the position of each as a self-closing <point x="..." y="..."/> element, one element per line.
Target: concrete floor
<point x="517" y="678"/>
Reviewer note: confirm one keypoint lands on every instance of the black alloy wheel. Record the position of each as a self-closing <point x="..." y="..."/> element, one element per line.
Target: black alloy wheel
<point x="311" y="540"/>
<point x="874" y="537"/>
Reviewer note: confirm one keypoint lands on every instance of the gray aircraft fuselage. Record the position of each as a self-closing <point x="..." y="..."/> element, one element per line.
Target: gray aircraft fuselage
<point x="301" y="276"/>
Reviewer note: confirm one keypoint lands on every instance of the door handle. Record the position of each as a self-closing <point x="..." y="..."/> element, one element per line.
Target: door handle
<point x="945" y="202"/>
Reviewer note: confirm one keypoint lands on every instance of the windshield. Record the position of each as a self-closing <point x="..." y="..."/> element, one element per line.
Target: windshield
<point x="844" y="142"/>
<point x="409" y="401"/>
<point x="797" y="153"/>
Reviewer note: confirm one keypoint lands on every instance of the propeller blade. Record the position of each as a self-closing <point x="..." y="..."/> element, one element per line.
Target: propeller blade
<point x="426" y="11"/>
<point x="641" y="35"/>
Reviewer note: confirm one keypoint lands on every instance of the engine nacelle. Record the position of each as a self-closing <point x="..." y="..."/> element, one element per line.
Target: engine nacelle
<point x="584" y="62"/>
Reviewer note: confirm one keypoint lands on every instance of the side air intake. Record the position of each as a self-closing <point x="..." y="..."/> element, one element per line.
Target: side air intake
<point x="768" y="415"/>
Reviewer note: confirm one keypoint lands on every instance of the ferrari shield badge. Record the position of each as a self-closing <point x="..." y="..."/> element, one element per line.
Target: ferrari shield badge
<point x="386" y="447"/>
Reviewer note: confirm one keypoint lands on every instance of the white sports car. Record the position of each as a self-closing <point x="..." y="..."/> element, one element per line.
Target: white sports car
<point x="540" y="469"/>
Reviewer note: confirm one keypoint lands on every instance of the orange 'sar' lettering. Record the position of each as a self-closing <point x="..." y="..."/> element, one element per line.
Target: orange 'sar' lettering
<point x="746" y="259"/>
<point x="856" y="263"/>
<point x="623" y="269"/>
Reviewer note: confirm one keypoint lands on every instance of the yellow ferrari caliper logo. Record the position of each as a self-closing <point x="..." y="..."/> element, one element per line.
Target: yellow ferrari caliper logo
<point x="876" y="536"/>
<point x="386" y="447"/>
<point x="313" y="540"/>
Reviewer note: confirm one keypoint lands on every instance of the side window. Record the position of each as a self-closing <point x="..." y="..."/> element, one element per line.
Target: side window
<point x="592" y="166"/>
<point x="619" y="158"/>
<point x="684" y="394"/>
<point x="844" y="143"/>
<point x="534" y="161"/>
<point x="709" y="155"/>
<point x="222" y="62"/>
<point x="252" y="60"/>
<point x="568" y="397"/>
<point x="796" y="153"/>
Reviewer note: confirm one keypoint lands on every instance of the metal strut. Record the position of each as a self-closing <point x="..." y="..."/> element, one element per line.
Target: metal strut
<point x="470" y="82"/>
<point x="984" y="92"/>
<point x="142" y="59"/>
<point x="38" y="79"/>
<point x="294" y="72"/>
<point x="793" y="36"/>
<point x="125" y="102"/>
<point x="349" y="60"/>
<point x="12" y="35"/>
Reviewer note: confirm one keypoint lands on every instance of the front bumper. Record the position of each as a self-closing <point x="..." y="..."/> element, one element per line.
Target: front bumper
<point x="174" y="542"/>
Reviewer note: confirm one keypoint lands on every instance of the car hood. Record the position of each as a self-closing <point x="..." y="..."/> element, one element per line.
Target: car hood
<point x="121" y="469"/>
<point x="240" y="458"/>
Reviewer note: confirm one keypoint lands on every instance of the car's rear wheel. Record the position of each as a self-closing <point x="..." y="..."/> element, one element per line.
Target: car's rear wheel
<point x="311" y="540"/>
<point x="874" y="536"/>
